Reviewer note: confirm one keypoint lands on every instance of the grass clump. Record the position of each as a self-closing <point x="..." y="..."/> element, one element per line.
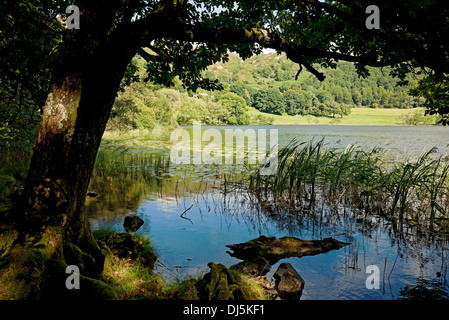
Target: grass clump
<point x="129" y="265"/>
<point x="128" y="269"/>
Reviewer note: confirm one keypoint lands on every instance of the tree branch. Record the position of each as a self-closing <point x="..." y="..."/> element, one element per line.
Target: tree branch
<point x="162" y="26"/>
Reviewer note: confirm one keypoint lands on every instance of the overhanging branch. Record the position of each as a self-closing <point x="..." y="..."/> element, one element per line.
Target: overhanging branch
<point x="160" y="26"/>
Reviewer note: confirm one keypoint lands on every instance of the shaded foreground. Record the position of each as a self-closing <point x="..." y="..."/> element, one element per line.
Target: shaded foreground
<point x="128" y="270"/>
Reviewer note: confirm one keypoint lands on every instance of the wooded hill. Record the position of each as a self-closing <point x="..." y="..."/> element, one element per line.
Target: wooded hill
<point x="267" y="82"/>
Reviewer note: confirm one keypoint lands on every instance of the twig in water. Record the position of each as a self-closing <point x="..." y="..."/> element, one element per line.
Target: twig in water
<point x="182" y="214"/>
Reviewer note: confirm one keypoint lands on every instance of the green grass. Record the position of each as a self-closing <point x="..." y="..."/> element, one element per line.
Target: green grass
<point x="358" y="116"/>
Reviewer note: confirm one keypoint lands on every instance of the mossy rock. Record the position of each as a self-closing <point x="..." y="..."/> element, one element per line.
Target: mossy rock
<point x="260" y="253"/>
<point x="73" y="255"/>
<point x="125" y="245"/>
<point x="222" y="283"/>
<point x="92" y="289"/>
<point x="36" y="269"/>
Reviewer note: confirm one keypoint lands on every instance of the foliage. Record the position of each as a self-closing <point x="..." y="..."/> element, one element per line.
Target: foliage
<point x="435" y="91"/>
<point x="236" y="109"/>
<point x="418" y="117"/>
<point x="27" y="54"/>
<point x="144" y="105"/>
<point x="269" y="100"/>
<point x="137" y="106"/>
<point x="342" y="90"/>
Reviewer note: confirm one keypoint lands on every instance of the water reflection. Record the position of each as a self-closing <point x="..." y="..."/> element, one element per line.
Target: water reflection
<point x="412" y="262"/>
<point x="215" y="220"/>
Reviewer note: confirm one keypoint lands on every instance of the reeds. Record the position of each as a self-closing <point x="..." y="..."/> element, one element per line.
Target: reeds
<point x="126" y="161"/>
<point x="309" y="176"/>
<point x="413" y="190"/>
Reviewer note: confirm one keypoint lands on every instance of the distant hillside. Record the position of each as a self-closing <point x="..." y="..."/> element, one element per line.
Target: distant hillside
<point x="267" y="83"/>
<point x="263" y="90"/>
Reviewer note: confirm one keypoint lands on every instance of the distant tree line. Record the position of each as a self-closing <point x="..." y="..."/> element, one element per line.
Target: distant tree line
<point x="266" y="82"/>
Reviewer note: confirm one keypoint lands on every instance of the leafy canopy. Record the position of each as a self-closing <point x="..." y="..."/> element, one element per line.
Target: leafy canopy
<point x="181" y="38"/>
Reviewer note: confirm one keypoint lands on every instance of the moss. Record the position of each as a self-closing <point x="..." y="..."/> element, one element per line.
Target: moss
<point x="5" y="184"/>
<point x="73" y="255"/>
<point x="125" y="245"/>
<point x="7" y="237"/>
<point x="23" y="270"/>
<point x="222" y="283"/>
<point x="94" y="289"/>
<point x="36" y="269"/>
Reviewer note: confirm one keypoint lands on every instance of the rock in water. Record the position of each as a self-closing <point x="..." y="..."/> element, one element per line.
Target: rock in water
<point x="273" y="249"/>
<point x="132" y="223"/>
<point x="221" y="284"/>
<point x="288" y="282"/>
<point x="260" y="253"/>
<point x="92" y="194"/>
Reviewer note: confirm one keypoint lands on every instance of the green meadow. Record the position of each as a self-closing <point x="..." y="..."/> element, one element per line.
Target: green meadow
<point x="358" y="116"/>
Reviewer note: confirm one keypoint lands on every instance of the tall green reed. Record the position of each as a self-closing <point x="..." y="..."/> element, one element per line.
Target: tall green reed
<point x="357" y="179"/>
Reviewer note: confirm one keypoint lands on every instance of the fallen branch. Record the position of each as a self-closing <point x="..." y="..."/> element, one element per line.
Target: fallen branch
<point x="182" y="214"/>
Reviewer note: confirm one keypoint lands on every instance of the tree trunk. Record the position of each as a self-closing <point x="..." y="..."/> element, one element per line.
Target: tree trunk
<point x="82" y="91"/>
<point x="72" y="124"/>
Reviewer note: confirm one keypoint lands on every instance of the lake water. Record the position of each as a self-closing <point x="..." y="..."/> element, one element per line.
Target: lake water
<point x="407" y="262"/>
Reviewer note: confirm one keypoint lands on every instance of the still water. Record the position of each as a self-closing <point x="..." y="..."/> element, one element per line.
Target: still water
<point x="408" y="262"/>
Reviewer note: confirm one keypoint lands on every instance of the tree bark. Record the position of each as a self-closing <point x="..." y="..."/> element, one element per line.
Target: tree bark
<point x="72" y="124"/>
<point x="82" y="91"/>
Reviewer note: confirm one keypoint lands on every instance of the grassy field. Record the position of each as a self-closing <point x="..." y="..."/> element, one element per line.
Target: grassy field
<point x="358" y="116"/>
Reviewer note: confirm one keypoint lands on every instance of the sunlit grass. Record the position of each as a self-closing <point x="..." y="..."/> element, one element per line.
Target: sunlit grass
<point x="358" y="116"/>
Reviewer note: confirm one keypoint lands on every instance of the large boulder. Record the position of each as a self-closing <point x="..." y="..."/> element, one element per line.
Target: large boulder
<point x="288" y="282"/>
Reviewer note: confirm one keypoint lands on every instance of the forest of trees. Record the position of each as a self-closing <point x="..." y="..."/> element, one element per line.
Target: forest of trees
<point x="265" y="82"/>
